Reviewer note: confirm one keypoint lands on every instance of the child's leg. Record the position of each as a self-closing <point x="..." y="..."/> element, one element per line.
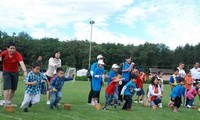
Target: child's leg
<point x="52" y="99"/>
<point x="58" y="98"/>
<point x="26" y="101"/>
<point x="126" y="102"/>
<point x="36" y="99"/>
<point x="177" y="103"/>
<point x="129" y="102"/>
<point x="108" y="98"/>
<point x="190" y="102"/>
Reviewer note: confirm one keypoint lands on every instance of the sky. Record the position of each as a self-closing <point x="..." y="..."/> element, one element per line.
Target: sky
<point x="171" y="22"/>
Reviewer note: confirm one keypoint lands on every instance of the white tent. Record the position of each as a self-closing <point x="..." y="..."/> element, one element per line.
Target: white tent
<point x="81" y="72"/>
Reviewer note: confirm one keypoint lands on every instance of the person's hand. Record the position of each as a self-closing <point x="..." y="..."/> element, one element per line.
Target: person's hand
<point x="54" y="90"/>
<point x="25" y="73"/>
<point x="34" y="83"/>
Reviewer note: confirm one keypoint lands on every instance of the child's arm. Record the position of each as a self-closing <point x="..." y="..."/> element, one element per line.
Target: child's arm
<point x="28" y="80"/>
<point x="52" y="84"/>
<point x="123" y="89"/>
<point x="68" y="78"/>
<point x="189" y="94"/>
<point x="31" y="83"/>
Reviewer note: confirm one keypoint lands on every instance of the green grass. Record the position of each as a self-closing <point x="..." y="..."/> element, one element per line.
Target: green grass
<point x="76" y="94"/>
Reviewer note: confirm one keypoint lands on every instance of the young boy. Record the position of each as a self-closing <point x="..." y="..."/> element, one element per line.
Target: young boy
<point x="110" y="91"/>
<point x="174" y="79"/>
<point x="33" y="87"/>
<point x="56" y="85"/>
<point x="139" y="84"/>
<point x="127" y="91"/>
<point x="176" y="94"/>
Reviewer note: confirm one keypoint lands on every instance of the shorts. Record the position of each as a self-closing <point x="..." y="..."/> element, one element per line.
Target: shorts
<point x="95" y="94"/>
<point x="141" y="92"/>
<point x="10" y="80"/>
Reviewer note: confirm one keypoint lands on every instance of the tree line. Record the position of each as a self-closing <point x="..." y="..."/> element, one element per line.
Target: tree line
<point x="74" y="53"/>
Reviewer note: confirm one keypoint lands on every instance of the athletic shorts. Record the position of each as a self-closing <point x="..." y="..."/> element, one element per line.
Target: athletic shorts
<point x="95" y="94"/>
<point x="141" y="92"/>
<point x="10" y="80"/>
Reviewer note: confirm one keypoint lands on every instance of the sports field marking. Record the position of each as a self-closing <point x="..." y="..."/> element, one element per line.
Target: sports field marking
<point x="13" y="117"/>
<point x="72" y="117"/>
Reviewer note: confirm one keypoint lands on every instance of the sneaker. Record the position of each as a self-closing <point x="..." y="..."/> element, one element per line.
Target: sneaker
<point x="25" y="109"/>
<point x="188" y="106"/>
<point x="56" y="105"/>
<point x="30" y="104"/>
<point x="128" y="109"/>
<point x="48" y="102"/>
<point x="115" y="106"/>
<point x="199" y="109"/>
<point x="135" y="101"/>
<point x="160" y="105"/>
<point x="175" y="110"/>
<point x="141" y="101"/>
<point x="104" y="108"/>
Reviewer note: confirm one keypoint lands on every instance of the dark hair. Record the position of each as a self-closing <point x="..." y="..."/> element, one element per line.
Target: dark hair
<point x="133" y="76"/>
<point x="35" y="64"/>
<point x="153" y="79"/>
<point x="175" y="69"/>
<point x="159" y="72"/>
<point x="59" y="69"/>
<point x="53" y="55"/>
<point x="11" y="44"/>
<point x="187" y="71"/>
<point x="181" y="79"/>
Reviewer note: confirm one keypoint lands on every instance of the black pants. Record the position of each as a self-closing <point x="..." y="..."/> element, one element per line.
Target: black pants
<point x="120" y="97"/>
<point x="128" y="102"/>
<point x="91" y="92"/>
<point x="177" y="102"/>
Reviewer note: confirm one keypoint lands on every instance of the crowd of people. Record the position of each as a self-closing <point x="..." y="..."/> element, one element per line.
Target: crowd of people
<point x="124" y="81"/>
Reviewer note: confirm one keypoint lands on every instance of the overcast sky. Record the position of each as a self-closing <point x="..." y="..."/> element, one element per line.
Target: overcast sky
<point x="172" y="22"/>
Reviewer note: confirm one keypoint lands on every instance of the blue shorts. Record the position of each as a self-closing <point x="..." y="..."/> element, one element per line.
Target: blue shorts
<point x="141" y="92"/>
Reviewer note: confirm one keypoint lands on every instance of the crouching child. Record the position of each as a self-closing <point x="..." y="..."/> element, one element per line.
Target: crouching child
<point x="128" y="91"/>
<point x="33" y="83"/>
<point x="56" y="85"/>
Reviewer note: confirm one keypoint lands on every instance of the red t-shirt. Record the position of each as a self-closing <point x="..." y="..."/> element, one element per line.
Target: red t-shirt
<point x="139" y="81"/>
<point x="110" y="89"/>
<point x="11" y="64"/>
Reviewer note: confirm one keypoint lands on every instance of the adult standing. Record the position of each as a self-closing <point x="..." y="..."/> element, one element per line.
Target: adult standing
<point x="92" y="68"/>
<point x="11" y="59"/>
<point x="181" y="70"/>
<point x="54" y="63"/>
<point x="195" y="72"/>
<point x="125" y="70"/>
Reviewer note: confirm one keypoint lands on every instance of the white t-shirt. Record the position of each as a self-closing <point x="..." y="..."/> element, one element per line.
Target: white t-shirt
<point x="181" y="72"/>
<point x="151" y="91"/>
<point x="54" y="63"/>
<point x="161" y="84"/>
<point x="195" y="73"/>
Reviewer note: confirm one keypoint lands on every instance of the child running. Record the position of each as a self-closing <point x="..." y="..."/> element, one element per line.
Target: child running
<point x="128" y="91"/>
<point x="56" y="85"/>
<point x="33" y="87"/>
<point x="176" y="94"/>
<point x="110" y="91"/>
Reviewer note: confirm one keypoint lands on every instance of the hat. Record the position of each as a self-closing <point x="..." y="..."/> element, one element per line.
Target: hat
<point x="100" y="56"/>
<point x="101" y="62"/>
<point x="115" y="66"/>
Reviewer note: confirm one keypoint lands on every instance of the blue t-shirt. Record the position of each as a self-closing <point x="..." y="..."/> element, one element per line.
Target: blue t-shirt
<point x="96" y="82"/>
<point x="130" y="86"/>
<point x="172" y="81"/>
<point x="126" y="75"/>
<point x="111" y="75"/>
<point x="94" y="66"/>
<point x="177" y="91"/>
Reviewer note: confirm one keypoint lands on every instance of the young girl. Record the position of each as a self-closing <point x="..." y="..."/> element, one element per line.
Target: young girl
<point x="190" y="95"/>
<point x="96" y="82"/>
<point x="155" y="93"/>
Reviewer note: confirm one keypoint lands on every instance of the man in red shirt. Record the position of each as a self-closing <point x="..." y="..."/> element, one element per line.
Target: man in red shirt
<point x="111" y="91"/>
<point x="11" y="60"/>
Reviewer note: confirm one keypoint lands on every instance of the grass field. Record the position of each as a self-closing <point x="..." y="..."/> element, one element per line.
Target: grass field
<point x="76" y="94"/>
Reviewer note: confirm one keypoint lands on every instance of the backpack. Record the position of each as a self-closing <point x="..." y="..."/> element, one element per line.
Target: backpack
<point x="88" y="74"/>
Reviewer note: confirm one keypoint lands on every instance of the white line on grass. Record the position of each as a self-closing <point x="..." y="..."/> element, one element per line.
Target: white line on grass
<point x="13" y="117"/>
<point x="72" y="117"/>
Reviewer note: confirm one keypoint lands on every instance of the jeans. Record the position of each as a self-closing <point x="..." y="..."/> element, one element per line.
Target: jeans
<point x="190" y="102"/>
<point x="156" y="101"/>
<point x="55" y="97"/>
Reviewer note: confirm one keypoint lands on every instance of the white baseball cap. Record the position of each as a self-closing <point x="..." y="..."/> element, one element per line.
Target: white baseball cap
<point x="100" y="56"/>
<point x="101" y="62"/>
<point x="115" y="66"/>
